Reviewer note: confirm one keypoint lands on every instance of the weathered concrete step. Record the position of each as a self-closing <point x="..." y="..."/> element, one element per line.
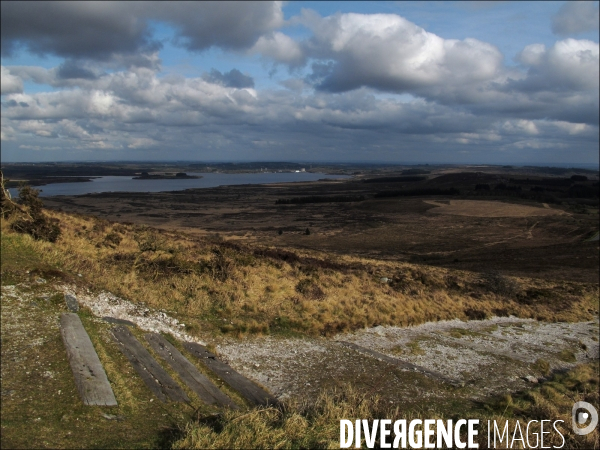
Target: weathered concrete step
<point x="154" y="376"/>
<point x="402" y="364"/>
<point x="90" y="378"/>
<point x="245" y="387"/>
<point x="189" y="374"/>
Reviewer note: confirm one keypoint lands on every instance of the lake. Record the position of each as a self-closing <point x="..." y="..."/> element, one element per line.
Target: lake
<point x="208" y="180"/>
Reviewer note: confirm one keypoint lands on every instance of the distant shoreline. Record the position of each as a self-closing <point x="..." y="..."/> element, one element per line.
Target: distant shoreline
<point x="167" y="176"/>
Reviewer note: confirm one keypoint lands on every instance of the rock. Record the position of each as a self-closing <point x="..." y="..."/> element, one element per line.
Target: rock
<point x="531" y="379"/>
<point x="40" y="281"/>
<point x="384" y="279"/>
<point x="71" y="302"/>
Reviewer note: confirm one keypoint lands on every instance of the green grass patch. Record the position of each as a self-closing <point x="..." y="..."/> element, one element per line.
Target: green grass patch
<point x="412" y="348"/>
<point x="567" y="356"/>
<point x="461" y="332"/>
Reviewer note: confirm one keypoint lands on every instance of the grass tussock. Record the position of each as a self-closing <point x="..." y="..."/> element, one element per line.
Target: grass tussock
<point x="316" y="425"/>
<point x="238" y="290"/>
<point x="295" y="425"/>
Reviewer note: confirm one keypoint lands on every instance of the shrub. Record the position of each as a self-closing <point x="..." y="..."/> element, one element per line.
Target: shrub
<point x="499" y="284"/>
<point x="40" y="228"/>
<point x="476" y="314"/>
<point x="220" y="267"/>
<point x="310" y="290"/>
<point x="112" y="239"/>
<point x="32" y="220"/>
<point x="149" y="241"/>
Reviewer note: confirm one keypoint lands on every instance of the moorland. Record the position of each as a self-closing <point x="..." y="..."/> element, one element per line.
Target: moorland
<point x="487" y="275"/>
<point x="521" y="221"/>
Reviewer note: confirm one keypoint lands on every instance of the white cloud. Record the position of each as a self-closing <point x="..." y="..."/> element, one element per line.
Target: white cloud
<point x="520" y="126"/>
<point x="9" y="83"/>
<point x="142" y="143"/>
<point x="280" y="48"/>
<point x="568" y="64"/>
<point x="388" y="52"/>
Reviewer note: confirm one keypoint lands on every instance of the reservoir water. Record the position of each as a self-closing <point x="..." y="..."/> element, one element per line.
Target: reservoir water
<point x="208" y="180"/>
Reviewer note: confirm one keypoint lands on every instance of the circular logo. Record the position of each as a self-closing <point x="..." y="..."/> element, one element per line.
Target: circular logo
<point x="581" y="417"/>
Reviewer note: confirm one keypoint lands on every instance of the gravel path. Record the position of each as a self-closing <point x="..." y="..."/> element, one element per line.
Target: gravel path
<point x="488" y="356"/>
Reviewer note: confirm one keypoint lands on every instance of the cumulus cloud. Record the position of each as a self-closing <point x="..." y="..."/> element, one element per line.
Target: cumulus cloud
<point x="137" y="110"/>
<point x="234" y="78"/>
<point x="576" y="17"/>
<point x="388" y="52"/>
<point x="570" y="64"/>
<point x="9" y="83"/>
<point x="281" y="48"/>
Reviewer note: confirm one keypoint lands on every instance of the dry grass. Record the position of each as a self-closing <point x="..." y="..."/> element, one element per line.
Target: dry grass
<point x="317" y="425"/>
<point x="295" y="425"/>
<point x="214" y="285"/>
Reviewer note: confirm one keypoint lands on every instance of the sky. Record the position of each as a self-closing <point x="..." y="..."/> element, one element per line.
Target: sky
<point x="400" y="82"/>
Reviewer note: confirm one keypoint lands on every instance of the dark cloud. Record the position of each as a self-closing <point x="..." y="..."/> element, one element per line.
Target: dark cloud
<point x="576" y="17"/>
<point x="12" y="103"/>
<point x="234" y="78"/>
<point x="104" y="30"/>
<point x="73" y="29"/>
<point x="71" y="69"/>
<point x="232" y="25"/>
